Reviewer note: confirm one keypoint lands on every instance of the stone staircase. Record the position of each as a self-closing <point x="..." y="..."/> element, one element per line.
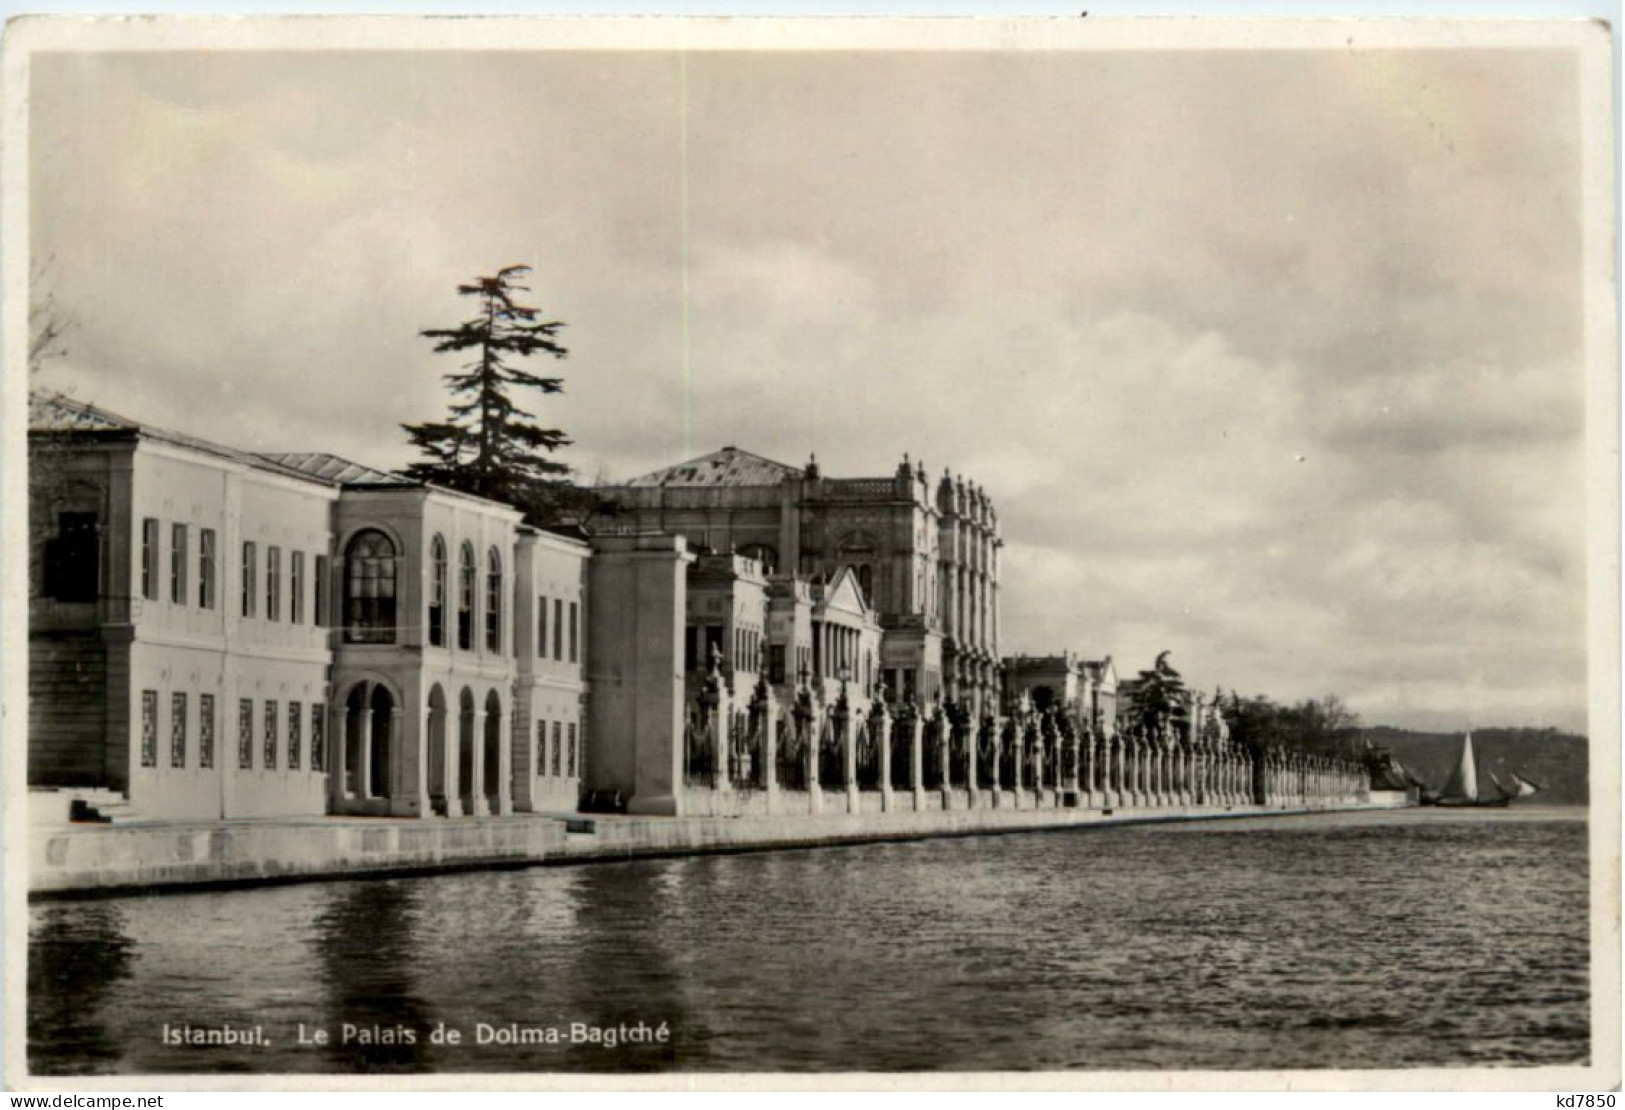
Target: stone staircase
<point x="79" y="805"/>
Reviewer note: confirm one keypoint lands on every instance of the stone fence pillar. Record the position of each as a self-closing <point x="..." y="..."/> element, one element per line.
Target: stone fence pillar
<point x="997" y="727"/>
<point x="846" y="722"/>
<point x="880" y="731"/>
<point x="813" y="755"/>
<point x="768" y="721"/>
<point x="916" y="752"/>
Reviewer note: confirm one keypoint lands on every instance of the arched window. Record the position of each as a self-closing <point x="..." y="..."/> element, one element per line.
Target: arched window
<point x="437" y="593"/>
<point x="493" y="601"/>
<point x="369" y="589"/>
<point x="465" y="599"/>
<point x="866" y="583"/>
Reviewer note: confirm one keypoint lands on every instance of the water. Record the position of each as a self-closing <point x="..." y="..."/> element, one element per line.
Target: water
<point x="1356" y="941"/>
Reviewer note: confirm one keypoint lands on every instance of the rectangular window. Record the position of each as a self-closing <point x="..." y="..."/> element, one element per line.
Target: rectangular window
<point x="541" y="747"/>
<point x="558" y="629"/>
<point x="250" y="587"/>
<point x="273" y="583"/>
<point x="691" y="647"/>
<point x="177" y="564"/>
<point x="149" y="558"/>
<point x="270" y="736"/>
<point x="295" y="721"/>
<point x="177" y="730"/>
<point x="575" y="630"/>
<point x="149" y="728"/>
<point x="558" y="745"/>
<point x="321" y="590"/>
<point x="318" y="736"/>
<point x="775" y="664"/>
<point x="205" y="569"/>
<point x="541" y="626"/>
<point x="205" y="731"/>
<point x="73" y="559"/>
<point x="296" y="587"/>
<point x="570" y="754"/>
<point x="245" y="734"/>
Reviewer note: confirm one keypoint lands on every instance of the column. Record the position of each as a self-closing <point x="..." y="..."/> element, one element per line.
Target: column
<point x="338" y="756"/>
<point x="364" y="756"/>
<point x="476" y="786"/>
<point x="945" y="757"/>
<point x="505" y="764"/>
<point x="451" y="774"/>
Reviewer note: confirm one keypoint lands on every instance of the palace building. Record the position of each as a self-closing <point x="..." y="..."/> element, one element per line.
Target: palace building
<point x="215" y="633"/>
<point x="925" y="557"/>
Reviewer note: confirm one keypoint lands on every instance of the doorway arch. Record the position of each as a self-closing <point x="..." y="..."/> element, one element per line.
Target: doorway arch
<point x="369" y="739"/>
<point x="465" y="749"/>
<point x="383" y="741"/>
<point x="492" y="751"/>
<point x="437" y="750"/>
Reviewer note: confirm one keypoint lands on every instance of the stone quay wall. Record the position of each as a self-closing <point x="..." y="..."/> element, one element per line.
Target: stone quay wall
<point x="89" y="859"/>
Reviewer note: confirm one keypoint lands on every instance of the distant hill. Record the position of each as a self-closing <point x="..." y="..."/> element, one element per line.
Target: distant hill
<point x="1556" y="760"/>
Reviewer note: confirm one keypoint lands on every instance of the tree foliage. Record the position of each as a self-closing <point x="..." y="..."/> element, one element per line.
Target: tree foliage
<point x="1320" y="726"/>
<point x="488" y="445"/>
<point x="1160" y="698"/>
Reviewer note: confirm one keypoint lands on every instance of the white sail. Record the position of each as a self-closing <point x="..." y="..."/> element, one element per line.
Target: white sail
<point x="1463" y="782"/>
<point x="1524" y="786"/>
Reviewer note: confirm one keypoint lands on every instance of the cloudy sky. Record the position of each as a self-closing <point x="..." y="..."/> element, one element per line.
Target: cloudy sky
<point x="1272" y="359"/>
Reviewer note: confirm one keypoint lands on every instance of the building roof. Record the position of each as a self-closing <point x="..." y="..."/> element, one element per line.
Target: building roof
<point x="57" y="412"/>
<point x="332" y="468"/>
<point x="727" y="467"/>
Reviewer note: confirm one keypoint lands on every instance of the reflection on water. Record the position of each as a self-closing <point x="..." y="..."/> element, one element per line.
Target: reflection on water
<point x="1379" y="940"/>
<point x="76" y="955"/>
<point x="365" y="941"/>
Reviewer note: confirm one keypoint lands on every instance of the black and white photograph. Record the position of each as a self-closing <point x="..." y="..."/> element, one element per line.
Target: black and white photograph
<point x="963" y="552"/>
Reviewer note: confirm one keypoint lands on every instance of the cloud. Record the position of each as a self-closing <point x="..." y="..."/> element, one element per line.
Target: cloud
<point x="1268" y="358"/>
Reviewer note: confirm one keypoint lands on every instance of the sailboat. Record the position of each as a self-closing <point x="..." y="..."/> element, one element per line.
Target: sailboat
<point x="1523" y="788"/>
<point x="1461" y="789"/>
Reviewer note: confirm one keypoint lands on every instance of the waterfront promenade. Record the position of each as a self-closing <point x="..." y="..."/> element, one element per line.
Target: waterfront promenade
<point x="91" y="858"/>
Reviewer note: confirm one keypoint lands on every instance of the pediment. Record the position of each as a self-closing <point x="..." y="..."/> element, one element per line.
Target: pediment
<point x="842" y="593"/>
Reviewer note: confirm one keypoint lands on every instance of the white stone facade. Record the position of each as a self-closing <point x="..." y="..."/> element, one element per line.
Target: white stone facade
<point x="277" y="635"/>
